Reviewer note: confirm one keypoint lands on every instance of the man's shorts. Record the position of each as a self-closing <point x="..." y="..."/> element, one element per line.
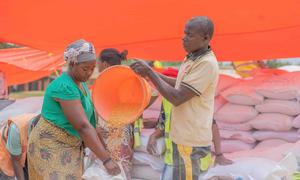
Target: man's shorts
<point x="190" y="162"/>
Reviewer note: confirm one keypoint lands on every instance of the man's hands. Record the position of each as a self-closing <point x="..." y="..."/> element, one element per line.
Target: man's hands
<point x="141" y="67"/>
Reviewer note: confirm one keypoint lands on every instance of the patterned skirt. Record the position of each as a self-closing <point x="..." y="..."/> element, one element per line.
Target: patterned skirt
<point x="53" y="154"/>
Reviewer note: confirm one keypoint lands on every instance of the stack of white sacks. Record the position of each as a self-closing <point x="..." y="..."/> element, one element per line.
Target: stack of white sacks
<point x="145" y="165"/>
<point x="259" y="112"/>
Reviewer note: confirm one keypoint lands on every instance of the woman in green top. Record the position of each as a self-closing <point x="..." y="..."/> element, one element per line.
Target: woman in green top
<point x="55" y="149"/>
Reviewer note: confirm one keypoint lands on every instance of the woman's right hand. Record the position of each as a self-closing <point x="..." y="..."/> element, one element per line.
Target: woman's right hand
<point x="112" y="168"/>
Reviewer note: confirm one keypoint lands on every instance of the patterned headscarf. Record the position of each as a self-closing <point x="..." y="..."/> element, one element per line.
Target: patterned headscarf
<point x="80" y="51"/>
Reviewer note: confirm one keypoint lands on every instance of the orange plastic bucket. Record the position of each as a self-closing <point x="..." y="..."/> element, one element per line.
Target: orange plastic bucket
<point x="120" y="96"/>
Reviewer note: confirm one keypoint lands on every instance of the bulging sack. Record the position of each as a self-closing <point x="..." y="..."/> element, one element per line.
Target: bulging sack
<point x="233" y="113"/>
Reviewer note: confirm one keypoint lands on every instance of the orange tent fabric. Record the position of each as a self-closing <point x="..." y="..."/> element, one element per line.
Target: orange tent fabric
<point x="21" y="65"/>
<point x="152" y="29"/>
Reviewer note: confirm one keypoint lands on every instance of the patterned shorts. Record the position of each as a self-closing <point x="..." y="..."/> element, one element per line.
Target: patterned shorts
<point x="190" y="162"/>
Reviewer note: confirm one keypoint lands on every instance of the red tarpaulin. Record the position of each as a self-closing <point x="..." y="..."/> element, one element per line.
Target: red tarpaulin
<point x="152" y="29"/>
<point x="22" y="65"/>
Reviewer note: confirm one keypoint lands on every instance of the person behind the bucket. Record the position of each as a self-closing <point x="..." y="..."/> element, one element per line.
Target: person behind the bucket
<point x="107" y="58"/>
<point x="13" y="144"/>
<point x="68" y="122"/>
<point x="192" y="96"/>
<point x="130" y="137"/>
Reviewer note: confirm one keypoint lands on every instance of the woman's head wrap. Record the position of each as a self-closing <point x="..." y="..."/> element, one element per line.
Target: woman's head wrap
<point x="80" y="51"/>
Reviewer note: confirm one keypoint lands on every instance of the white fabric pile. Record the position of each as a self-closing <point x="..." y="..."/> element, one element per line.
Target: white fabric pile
<point x="21" y="106"/>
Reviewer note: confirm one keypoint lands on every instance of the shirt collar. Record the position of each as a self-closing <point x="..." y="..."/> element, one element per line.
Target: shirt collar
<point x="194" y="56"/>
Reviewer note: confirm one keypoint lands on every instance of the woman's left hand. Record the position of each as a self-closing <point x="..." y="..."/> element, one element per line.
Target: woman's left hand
<point x="112" y="168"/>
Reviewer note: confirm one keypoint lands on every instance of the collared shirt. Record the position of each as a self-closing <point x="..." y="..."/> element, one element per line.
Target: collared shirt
<point x="192" y="120"/>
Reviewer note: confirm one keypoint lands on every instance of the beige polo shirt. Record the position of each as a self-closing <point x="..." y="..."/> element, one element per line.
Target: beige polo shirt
<point x="192" y="121"/>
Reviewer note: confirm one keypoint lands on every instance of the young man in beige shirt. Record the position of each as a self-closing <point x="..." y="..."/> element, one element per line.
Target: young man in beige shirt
<point x="192" y="97"/>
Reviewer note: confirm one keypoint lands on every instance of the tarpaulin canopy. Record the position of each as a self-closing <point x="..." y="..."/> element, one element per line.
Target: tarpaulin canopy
<point x="21" y="65"/>
<point x="152" y="29"/>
